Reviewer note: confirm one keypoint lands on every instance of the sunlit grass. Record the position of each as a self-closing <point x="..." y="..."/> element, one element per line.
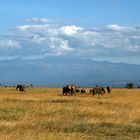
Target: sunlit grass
<point x="44" y="114"/>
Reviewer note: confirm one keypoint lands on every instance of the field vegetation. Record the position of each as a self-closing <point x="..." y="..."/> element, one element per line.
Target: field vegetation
<point x="44" y="114"/>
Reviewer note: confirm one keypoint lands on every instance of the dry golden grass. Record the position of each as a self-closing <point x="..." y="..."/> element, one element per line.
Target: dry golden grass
<point x="44" y="114"/>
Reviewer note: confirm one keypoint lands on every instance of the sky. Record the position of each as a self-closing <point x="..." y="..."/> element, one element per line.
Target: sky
<point x="88" y="13"/>
<point x="34" y="31"/>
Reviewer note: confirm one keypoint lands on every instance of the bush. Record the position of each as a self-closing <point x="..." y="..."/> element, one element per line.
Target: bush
<point x="129" y="85"/>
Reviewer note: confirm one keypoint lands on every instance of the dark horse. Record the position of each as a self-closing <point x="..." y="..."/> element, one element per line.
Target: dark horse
<point x="20" y="88"/>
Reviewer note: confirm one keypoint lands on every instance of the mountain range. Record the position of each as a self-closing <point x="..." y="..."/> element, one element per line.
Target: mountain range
<point x="59" y="72"/>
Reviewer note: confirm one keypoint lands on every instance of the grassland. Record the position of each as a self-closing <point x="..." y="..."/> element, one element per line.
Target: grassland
<point x="44" y="114"/>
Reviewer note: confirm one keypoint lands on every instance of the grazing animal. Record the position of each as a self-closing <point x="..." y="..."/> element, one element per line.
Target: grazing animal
<point x="20" y="88"/>
<point x="77" y="90"/>
<point x="91" y="91"/>
<point x="83" y="90"/>
<point x="97" y="90"/>
<point x="103" y="90"/>
<point x="108" y="89"/>
<point x="69" y="89"/>
<point x="72" y="89"/>
<point x="66" y="90"/>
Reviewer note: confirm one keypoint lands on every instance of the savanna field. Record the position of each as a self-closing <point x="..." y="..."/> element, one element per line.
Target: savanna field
<point x="44" y="114"/>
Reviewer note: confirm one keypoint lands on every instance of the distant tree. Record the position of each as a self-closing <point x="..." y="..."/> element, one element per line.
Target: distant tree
<point x="129" y="85"/>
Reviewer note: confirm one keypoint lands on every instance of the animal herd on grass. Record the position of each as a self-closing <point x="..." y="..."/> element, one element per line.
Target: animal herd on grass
<point x="73" y="90"/>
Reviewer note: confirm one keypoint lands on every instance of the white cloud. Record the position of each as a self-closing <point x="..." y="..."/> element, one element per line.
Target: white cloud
<point x="43" y="40"/>
<point x="37" y="39"/>
<point x="116" y="27"/>
<point x="33" y="27"/>
<point x="59" y="46"/>
<point x="70" y="30"/>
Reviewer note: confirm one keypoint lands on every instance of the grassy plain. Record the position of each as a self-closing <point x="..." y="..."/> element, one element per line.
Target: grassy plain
<point x="44" y="114"/>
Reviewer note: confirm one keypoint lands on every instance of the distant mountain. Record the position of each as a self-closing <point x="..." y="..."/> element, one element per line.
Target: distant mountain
<point x="58" y="72"/>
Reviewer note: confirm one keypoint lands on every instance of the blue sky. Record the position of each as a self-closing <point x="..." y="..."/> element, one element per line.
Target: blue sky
<point x="39" y="31"/>
<point x="87" y="13"/>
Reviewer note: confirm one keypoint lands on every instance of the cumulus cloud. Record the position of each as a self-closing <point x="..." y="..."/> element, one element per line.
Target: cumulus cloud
<point x="70" y="30"/>
<point x="41" y="40"/>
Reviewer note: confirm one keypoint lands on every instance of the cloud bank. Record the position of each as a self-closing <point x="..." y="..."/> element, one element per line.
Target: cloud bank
<point x="41" y="38"/>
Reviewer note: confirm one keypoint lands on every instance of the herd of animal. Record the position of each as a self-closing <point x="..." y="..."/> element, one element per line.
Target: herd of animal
<point x="73" y="90"/>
